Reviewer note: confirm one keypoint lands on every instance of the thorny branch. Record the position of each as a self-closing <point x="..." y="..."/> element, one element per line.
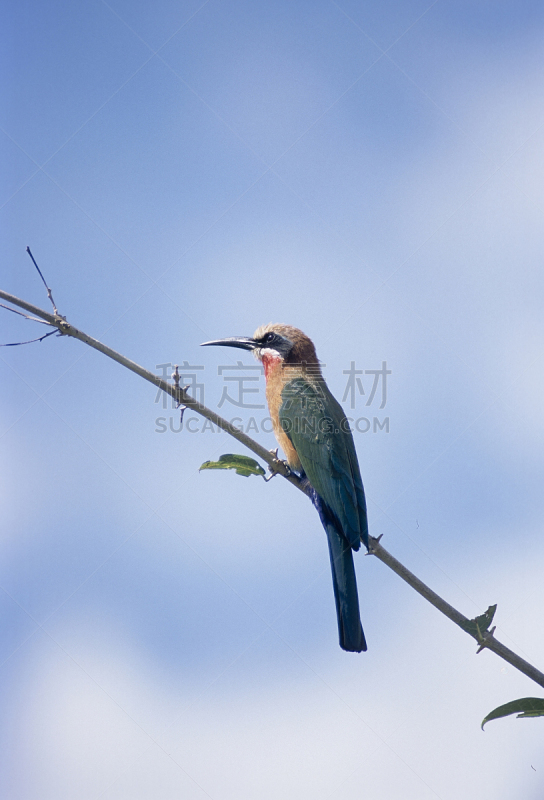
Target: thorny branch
<point x="485" y="639"/>
<point x="55" y="320"/>
<point x="177" y="392"/>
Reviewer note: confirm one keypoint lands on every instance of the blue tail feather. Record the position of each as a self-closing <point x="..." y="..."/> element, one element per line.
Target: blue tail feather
<point x="344" y="582"/>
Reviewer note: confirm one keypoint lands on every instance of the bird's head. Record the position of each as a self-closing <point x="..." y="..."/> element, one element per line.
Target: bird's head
<point x="275" y="342"/>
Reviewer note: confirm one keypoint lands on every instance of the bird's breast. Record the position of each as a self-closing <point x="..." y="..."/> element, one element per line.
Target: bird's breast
<point x="275" y="382"/>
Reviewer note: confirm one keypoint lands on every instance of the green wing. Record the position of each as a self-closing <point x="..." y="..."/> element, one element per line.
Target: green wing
<point x="315" y="423"/>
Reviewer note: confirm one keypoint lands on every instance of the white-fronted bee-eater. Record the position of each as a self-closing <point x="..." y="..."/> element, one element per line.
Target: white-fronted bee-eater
<point x="313" y="432"/>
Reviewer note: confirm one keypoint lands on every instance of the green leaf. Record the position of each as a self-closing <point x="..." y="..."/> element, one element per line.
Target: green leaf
<point x="244" y="465"/>
<point x="480" y="624"/>
<point x="529" y="706"/>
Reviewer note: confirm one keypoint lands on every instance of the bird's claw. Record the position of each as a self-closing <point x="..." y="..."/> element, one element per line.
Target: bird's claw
<point x="284" y="470"/>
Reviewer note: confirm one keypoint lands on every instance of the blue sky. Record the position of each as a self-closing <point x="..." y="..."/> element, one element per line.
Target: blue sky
<point x="371" y="173"/>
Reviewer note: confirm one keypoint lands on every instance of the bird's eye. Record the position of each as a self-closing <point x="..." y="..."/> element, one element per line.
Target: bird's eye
<point x="269" y="338"/>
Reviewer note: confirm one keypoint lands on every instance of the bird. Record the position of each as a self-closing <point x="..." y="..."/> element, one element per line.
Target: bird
<point x="311" y="428"/>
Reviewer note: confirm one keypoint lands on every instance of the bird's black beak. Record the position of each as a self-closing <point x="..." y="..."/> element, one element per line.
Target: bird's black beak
<point x="243" y="342"/>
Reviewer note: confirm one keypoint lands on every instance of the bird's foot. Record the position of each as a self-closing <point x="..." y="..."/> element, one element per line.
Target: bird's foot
<point x="284" y="468"/>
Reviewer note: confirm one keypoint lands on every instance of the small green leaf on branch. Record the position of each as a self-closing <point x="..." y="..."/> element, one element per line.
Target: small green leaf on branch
<point x="476" y="627"/>
<point x="528" y="706"/>
<point x="244" y="465"/>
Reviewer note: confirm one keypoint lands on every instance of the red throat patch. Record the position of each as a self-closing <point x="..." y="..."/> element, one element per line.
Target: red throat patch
<point x="270" y="362"/>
